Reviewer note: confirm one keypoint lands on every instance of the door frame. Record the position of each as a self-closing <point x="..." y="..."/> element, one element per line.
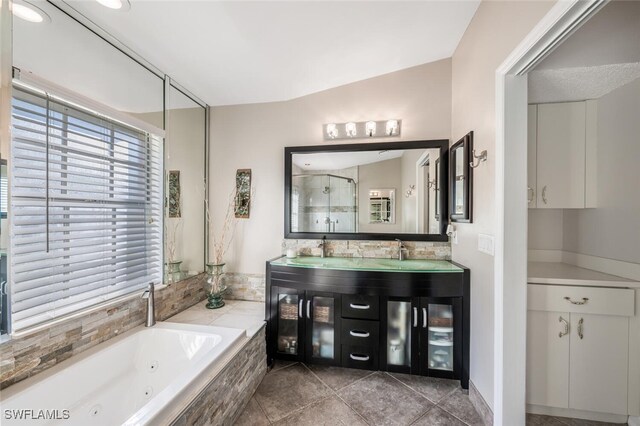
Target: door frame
<point x="510" y="262"/>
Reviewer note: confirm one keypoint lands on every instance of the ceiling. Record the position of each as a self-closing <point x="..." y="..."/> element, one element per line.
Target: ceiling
<point x="237" y="52"/>
<point x="601" y="56"/>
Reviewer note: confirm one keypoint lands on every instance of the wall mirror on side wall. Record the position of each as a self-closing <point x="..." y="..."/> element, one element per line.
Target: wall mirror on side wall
<point x="461" y="180"/>
<point x="365" y="191"/>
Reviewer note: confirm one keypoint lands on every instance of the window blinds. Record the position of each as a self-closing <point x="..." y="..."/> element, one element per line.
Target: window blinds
<point x="86" y="209"/>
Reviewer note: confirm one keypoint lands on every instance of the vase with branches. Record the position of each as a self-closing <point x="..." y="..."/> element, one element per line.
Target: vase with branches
<point x="173" y="265"/>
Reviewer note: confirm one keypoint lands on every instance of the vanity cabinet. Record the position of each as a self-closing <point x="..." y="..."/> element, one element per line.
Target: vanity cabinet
<point x="578" y="347"/>
<point x="306" y="325"/>
<point x="562" y="169"/>
<point x="408" y="322"/>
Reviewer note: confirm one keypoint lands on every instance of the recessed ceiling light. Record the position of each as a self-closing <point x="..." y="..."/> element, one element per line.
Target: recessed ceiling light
<point x="122" y="5"/>
<point x="28" y="12"/>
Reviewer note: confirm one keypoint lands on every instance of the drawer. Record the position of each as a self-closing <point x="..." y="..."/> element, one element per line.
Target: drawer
<point x="360" y="306"/>
<point x="588" y="300"/>
<point x="361" y="333"/>
<point x="362" y="357"/>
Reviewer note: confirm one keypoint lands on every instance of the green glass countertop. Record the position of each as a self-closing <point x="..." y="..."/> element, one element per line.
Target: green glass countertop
<point x="368" y="264"/>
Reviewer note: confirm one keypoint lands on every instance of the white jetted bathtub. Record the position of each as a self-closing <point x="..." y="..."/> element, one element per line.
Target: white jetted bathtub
<point x="140" y="377"/>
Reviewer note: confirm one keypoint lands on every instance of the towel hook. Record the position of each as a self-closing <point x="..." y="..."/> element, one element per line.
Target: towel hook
<point x="482" y="157"/>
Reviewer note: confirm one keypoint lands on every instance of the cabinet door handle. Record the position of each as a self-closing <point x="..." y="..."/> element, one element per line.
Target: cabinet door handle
<point x="300" y="308"/>
<point x="415" y="317"/>
<point x="309" y="309"/>
<point x="356" y="357"/>
<point x="580" y="328"/>
<point x="356" y="333"/>
<point x="577" y="302"/>
<point x="358" y="306"/>
<point x="544" y="194"/>
<point x="530" y="194"/>
<point x="566" y="327"/>
<point x="424" y="317"/>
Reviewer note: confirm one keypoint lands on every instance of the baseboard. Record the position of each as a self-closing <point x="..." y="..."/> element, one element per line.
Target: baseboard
<point x="576" y="414"/>
<point x="480" y="404"/>
<point x="545" y="256"/>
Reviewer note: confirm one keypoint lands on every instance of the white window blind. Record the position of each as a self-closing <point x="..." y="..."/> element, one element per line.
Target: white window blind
<point x="86" y="209"/>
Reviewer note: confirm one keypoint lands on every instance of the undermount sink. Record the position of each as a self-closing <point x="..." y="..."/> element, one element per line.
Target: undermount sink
<point x="369" y="264"/>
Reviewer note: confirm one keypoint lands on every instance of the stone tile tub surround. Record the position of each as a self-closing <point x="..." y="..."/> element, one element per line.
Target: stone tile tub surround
<point x="252" y="286"/>
<point x="23" y="356"/>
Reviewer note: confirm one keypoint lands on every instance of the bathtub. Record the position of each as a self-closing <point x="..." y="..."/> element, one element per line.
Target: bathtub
<point x="145" y="376"/>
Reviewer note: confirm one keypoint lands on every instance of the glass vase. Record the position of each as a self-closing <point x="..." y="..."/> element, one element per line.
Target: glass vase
<point x="215" y="285"/>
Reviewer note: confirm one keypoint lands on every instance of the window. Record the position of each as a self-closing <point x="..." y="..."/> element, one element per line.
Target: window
<point x="86" y="209"/>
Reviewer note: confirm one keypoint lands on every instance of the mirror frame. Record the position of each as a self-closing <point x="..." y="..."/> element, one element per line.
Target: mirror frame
<point x="442" y="144"/>
<point x="467" y="146"/>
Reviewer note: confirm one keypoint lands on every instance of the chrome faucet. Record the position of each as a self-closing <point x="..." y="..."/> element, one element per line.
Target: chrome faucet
<point x="402" y="250"/>
<point x="323" y="246"/>
<point x="151" y="311"/>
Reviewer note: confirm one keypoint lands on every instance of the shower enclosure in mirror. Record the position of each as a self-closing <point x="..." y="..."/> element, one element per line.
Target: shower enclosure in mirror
<point x="366" y="191"/>
<point x="324" y="202"/>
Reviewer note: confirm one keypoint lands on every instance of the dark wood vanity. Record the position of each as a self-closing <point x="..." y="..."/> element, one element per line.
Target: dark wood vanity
<point x="413" y="322"/>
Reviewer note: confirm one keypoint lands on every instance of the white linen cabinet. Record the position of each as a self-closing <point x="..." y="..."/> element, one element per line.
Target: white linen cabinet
<point x="578" y="347"/>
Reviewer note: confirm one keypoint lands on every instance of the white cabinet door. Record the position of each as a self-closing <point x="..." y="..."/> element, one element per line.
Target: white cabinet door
<point x="599" y="363"/>
<point x="532" y="128"/>
<point x="561" y="155"/>
<point x="548" y="358"/>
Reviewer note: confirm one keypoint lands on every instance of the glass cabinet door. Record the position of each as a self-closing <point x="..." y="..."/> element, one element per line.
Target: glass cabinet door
<point x="288" y="331"/>
<point x="400" y="341"/>
<point x="322" y="331"/>
<point x="440" y="336"/>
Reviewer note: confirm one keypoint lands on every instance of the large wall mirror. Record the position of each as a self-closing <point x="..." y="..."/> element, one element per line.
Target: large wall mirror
<point x="367" y="191"/>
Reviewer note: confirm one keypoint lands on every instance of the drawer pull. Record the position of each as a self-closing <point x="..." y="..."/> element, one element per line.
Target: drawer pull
<point x="424" y="317"/>
<point x="357" y="306"/>
<point x="300" y="308"/>
<point x="309" y="309"/>
<point x="356" y="357"/>
<point x="580" y="331"/>
<point x="566" y="327"/>
<point x="415" y="317"/>
<point x="583" y="302"/>
<point x="356" y="333"/>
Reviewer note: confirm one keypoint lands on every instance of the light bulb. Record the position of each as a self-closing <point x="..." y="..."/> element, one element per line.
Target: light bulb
<point x="351" y="129"/>
<point x="332" y="131"/>
<point x="392" y="127"/>
<point x="116" y="4"/>
<point x="371" y="128"/>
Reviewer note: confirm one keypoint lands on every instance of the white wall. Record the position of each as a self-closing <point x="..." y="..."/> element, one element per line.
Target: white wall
<point x="545" y="229"/>
<point x="253" y="136"/>
<point x="494" y="32"/>
<point x="612" y="230"/>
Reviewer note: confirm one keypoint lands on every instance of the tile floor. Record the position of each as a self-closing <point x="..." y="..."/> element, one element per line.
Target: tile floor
<point x="299" y="394"/>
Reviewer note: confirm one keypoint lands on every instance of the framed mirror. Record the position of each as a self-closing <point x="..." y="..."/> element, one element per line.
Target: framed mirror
<point x="379" y="191"/>
<point x="461" y="180"/>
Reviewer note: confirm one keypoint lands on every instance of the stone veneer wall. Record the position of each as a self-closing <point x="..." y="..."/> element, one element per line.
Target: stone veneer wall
<point x="222" y="401"/>
<point x="252" y="286"/>
<point x="22" y="357"/>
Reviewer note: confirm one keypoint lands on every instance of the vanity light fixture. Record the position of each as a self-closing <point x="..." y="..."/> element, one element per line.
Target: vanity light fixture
<point x="370" y="128"/>
<point x="28" y="12"/>
<point x="332" y="131"/>
<point x="362" y="129"/>
<point x="121" y="5"/>
<point x="351" y="129"/>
